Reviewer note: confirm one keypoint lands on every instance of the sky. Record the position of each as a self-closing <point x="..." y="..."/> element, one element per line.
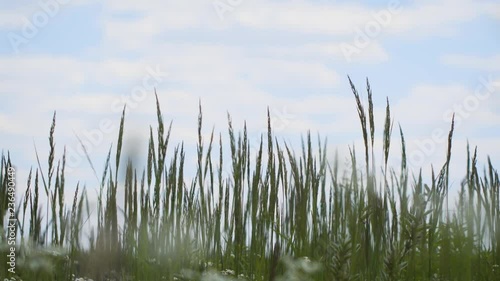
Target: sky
<point x="86" y="59"/>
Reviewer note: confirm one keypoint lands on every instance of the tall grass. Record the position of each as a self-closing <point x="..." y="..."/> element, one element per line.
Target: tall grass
<point x="282" y="203"/>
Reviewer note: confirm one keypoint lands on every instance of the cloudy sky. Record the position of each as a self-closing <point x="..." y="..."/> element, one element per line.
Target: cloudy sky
<point x="85" y="59"/>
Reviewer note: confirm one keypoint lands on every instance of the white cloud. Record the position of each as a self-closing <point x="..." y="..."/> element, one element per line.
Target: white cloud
<point x="430" y="106"/>
<point x="150" y="22"/>
<point x="205" y="64"/>
<point x="302" y="16"/>
<point x="94" y="103"/>
<point x="437" y="17"/>
<point x="10" y="20"/>
<point x="17" y="16"/>
<point x="167" y="15"/>
<point x="491" y="63"/>
<point x="340" y="19"/>
<point x="8" y="125"/>
<point x="154" y="17"/>
<point x="373" y="53"/>
<point x="426" y="104"/>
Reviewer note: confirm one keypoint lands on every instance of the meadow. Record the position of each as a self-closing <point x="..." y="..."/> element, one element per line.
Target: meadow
<point x="283" y="214"/>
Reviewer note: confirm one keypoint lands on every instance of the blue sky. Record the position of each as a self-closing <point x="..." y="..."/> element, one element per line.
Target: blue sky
<point x="85" y="59"/>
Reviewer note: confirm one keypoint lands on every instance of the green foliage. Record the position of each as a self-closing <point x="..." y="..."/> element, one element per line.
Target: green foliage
<point x="246" y="225"/>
